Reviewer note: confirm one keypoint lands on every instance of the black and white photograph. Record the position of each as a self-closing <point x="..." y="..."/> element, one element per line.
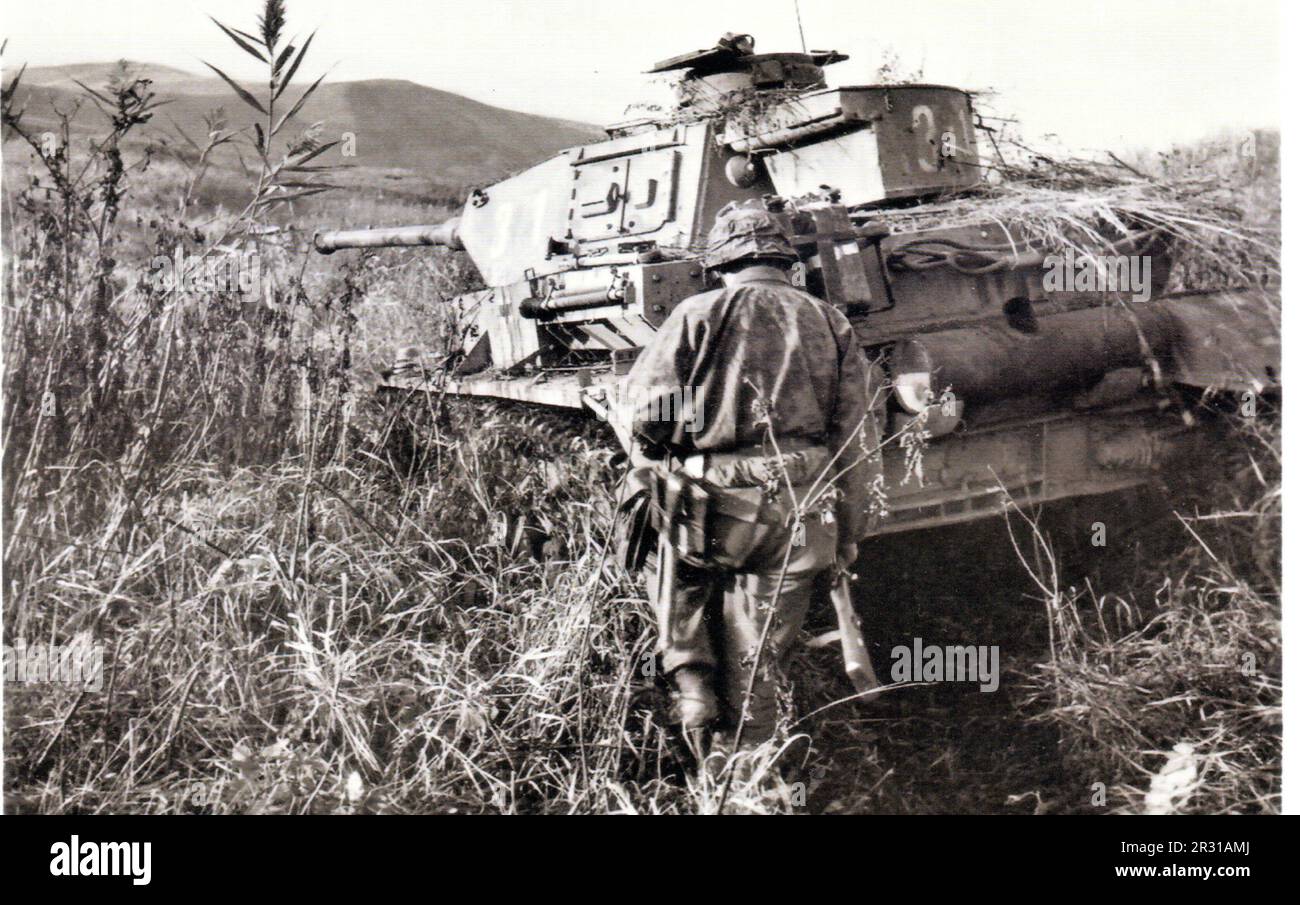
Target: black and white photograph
<point x="756" y="407"/>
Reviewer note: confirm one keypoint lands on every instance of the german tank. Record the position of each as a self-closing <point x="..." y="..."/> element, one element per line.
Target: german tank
<point x="1017" y="391"/>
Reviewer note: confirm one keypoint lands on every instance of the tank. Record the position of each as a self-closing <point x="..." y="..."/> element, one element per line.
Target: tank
<point x="1018" y="394"/>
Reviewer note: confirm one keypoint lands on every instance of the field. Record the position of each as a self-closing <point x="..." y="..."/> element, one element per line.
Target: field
<point x="200" y="483"/>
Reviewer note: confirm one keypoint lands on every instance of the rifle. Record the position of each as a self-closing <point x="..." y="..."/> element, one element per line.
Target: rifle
<point x="857" y="660"/>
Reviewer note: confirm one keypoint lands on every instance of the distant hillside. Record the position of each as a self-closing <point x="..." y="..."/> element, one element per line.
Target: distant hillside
<point x="399" y="125"/>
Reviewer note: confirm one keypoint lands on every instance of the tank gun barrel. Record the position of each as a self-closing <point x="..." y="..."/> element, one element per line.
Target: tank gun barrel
<point x="445" y="234"/>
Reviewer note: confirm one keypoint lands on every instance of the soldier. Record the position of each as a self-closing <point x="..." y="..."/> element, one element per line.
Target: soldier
<point x="765" y="470"/>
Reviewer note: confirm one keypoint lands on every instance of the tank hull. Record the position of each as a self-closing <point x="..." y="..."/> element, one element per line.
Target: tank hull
<point x="1024" y="454"/>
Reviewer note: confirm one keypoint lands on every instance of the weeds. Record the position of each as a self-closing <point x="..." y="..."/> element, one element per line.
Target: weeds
<point x="1186" y="662"/>
<point x="202" y="482"/>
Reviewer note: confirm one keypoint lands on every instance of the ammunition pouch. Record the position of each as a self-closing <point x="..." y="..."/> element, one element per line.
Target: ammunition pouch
<point x="659" y="501"/>
<point x="746" y="484"/>
<point x="683" y="512"/>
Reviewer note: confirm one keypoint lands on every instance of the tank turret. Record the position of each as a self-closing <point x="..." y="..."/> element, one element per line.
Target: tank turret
<point x="610" y="231"/>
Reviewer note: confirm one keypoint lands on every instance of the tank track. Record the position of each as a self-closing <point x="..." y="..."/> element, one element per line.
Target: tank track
<point x="548" y="476"/>
<point x="423" y="427"/>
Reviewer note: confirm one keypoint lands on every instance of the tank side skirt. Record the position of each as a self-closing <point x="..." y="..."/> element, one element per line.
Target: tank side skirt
<point x="965" y="476"/>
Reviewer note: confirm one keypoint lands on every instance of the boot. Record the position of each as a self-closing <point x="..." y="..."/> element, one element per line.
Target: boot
<point x="697" y="703"/>
<point x="715" y="764"/>
<point x="724" y="757"/>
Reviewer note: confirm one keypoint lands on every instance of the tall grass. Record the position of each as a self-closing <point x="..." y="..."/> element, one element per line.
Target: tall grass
<point x="1184" y="658"/>
<point x="294" y="620"/>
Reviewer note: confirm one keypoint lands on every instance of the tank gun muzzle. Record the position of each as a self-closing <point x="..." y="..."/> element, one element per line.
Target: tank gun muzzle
<point x="445" y="234"/>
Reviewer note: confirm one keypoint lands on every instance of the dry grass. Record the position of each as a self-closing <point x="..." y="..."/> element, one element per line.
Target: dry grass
<point x="294" y="623"/>
<point x="1190" y="656"/>
<point x="1221" y="209"/>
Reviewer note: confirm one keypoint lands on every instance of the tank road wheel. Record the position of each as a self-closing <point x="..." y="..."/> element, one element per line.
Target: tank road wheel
<point x="412" y="429"/>
<point x="548" y="471"/>
<point x="531" y="462"/>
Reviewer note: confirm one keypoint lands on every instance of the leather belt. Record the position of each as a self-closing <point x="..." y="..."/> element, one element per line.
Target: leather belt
<point x="740" y="481"/>
<point x="798" y="461"/>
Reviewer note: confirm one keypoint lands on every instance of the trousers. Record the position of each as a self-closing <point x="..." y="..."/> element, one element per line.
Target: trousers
<point x="717" y="614"/>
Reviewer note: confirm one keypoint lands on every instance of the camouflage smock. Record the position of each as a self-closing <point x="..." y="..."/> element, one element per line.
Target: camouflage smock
<point x="755" y="351"/>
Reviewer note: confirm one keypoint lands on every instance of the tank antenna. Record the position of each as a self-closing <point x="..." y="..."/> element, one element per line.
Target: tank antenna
<point x="798" y="17"/>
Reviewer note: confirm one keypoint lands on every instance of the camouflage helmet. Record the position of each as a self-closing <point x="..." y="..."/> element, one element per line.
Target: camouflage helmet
<point x="747" y="230"/>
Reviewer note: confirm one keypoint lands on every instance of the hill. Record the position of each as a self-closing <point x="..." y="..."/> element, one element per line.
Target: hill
<point x="398" y="125"/>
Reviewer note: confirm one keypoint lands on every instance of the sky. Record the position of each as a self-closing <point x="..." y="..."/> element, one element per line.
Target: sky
<point x="1115" y="74"/>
